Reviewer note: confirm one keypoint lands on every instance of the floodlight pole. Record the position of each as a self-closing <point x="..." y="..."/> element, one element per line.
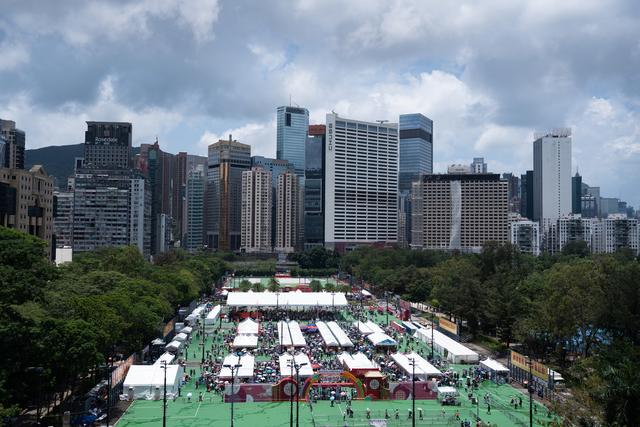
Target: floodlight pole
<point x="203" y="314"/>
<point x="298" y="366"/>
<point x="292" y="363"/>
<point x="530" y="394"/>
<point x="432" y="327"/>
<point x="413" y="392"/>
<point x="109" y="368"/>
<point x="164" y="397"/>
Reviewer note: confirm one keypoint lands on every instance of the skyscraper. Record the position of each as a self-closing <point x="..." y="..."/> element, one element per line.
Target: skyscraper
<point x="416" y="149"/>
<point x="13" y="156"/>
<point x="514" y="191"/>
<point x="460" y="211"/>
<point x="288" y="199"/>
<point x="478" y="165"/>
<point x="227" y="160"/>
<point x="552" y="175"/>
<point x="107" y="145"/>
<point x="576" y="194"/>
<point x="194" y="215"/>
<point x="314" y="187"/>
<point x="361" y="176"/>
<point x="291" y="136"/>
<point x="525" y="234"/>
<point x="526" y="195"/>
<point x="256" y="210"/>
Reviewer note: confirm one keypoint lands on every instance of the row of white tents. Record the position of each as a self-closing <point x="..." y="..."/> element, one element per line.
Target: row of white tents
<point x="289" y="300"/>
<point x="333" y="335"/>
<point x="375" y="334"/>
<point x="451" y="349"/>
<point x="247" y="336"/>
<point x="290" y="335"/>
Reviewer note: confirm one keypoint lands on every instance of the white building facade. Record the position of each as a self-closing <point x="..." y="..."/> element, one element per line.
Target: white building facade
<point x="525" y="234"/>
<point x="256" y="210"/>
<point x="361" y="176"/>
<point x="288" y="209"/>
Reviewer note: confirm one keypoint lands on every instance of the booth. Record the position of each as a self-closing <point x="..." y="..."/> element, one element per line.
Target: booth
<point x="450" y="349"/>
<point x="327" y="335"/>
<point x="289" y="334"/>
<point x="341" y="336"/>
<point x="147" y="381"/>
<point x="245" y="370"/>
<point x="248" y="326"/>
<point x="300" y="359"/>
<point x="356" y="363"/>
<point x="423" y="369"/>
<point x="381" y="340"/>
<point x="448" y="396"/>
<point x="173" y="347"/>
<point x="167" y="358"/>
<point x="245" y="341"/>
<point x="498" y="373"/>
<point x="182" y="337"/>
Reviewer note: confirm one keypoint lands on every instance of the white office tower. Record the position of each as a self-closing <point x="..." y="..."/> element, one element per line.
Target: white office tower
<point x="524" y="234"/>
<point x="288" y="208"/>
<point x="256" y="210"/>
<point x="616" y="232"/>
<point x="361" y="177"/>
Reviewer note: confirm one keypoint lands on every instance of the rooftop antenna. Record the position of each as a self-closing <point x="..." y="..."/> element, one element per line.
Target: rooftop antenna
<point x="289" y="100"/>
<point x="382" y="121"/>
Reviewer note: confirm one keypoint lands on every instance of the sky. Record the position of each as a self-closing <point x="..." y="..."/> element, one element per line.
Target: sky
<point x="489" y="74"/>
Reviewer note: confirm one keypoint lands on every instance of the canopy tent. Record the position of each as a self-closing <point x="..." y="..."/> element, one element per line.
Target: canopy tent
<point x="341" y="336"/>
<point x="289" y="334"/>
<point x="213" y="315"/>
<point x="451" y="349"/>
<point x="245" y="341"/>
<point x="493" y="365"/>
<point x="291" y="300"/>
<point x="181" y="337"/>
<point x="327" y="335"/>
<point x="248" y="326"/>
<point x="187" y="330"/>
<point x="409" y="326"/>
<point x="174" y="346"/>
<point x="165" y="357"/>
<point x="423" y="369"/>
<point x="356" y="361"/>
<point x="447" y="391"/>
<point x="381" y="340"/>
<point x="246" y="362"/>
<point x="368" y="327"/>
<point x="285" y="365"/>
<point x="196" y="313"/>
<point x="147" y="381"/>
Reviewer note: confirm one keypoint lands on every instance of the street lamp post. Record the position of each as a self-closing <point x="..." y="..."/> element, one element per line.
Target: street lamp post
<point x="109" y="369"/>
<point x="432" y="327"/>
<point x="234" y="369"/>
<point x="292" y="364"/>
<point x="412" y="362"/>
<point x="530" y="393"/>
<point x="164" y="395"/>
<point x="203" y="314"/>
<point x="297" y="367"/>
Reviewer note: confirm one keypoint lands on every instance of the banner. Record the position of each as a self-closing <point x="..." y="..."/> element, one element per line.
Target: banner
<point x="448" y="325"/>
<point x="538" y="370"/>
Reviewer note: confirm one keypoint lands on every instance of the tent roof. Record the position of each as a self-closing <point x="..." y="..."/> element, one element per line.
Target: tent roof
<point x="213" y="314"/>
<point x="285" y="368"/>
<point x="452" y="346"/>
<point x="289" y="334"/>
<point x="423" y="368"/>
<point x="341" y="335"/>
<point x="494" y="365"/>
<point x="166" y="357"/>
<point x="248" y="326"/>
<point x="151" y="375"/>
<point x="356" y="361"/>
<point x="282" y="299"/>
<point x="246" y="361"/>
<point x="245" y="341"/>
<point x="378" y="338"/>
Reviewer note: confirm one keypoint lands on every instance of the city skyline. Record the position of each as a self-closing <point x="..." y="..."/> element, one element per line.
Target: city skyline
<point x="487" y="98"/>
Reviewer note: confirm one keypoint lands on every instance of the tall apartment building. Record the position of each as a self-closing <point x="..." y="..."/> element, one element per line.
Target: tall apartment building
<point x="569" y="228"/>
<point x="361" y="176"/>
<point x="514" y="191"/>
<point x="292" y="124"/>
<point x="460" y="211"/>
<point x="576" y="194"/>
<point x="107" y="145"/>
<point x="526" y="195"/>
<point x="314" y="187"/>
<point x="257" y="205"/>
<point x="14" y="145"/>
<point x="614" y="233"/>
<point x="416" y="159"/>
<point x="184" y="164"/>
<point x="525" y="234"/>
<point x="227" y="160"/>
<point x="194" y="210"/>
<point x="288" y="207"/>
<point x="112" y="207"/>
<point x="63" y="218"/>
<point x="26" y="201"/>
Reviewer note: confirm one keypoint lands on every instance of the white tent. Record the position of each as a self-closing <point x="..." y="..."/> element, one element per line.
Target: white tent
<point x="187" y="330"/>
<point x="147" y="381"/>
<point x="181" y="337"/>
<point x="451" y="349"/>
<point x="245" y="341"/>
<point x="493" y="365"/>
<point x="246" y="361"/>
<point x="166" y="357"/>
<point x="213" y="315"/>
<point x="327" y="335"/>
<point x="341" y="336"/>
<point x="356" y="361"/>
<point x="410" y="326"/>
<point x="423" y="369"/>
<point x="285" y="366"/>
<point x="368" y="327"/>
<point x="289" y="334"/>
<point x="248" y="326"/>
<point x="174" y="346"/>
<point x="291" y="300"/>
<point x="381" y="339"/>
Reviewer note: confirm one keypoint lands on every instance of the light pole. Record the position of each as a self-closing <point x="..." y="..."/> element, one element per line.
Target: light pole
<point x="291" y="363"/>
<point x="386" y="296"/>
<point x="164" y="395"/>
<point x="530" y="393"/>
<point x="412" y="362"/>
<point x="109" y="369"/>
<point x="234" y="369"/>
<point x="432" y="327"/>
<point x="203" y="314"/>
<point x="297" y="367"/>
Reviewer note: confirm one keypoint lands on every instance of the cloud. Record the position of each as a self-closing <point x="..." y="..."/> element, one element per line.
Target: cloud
<point x="13" y="55"/>
<point x="261" y="137"/>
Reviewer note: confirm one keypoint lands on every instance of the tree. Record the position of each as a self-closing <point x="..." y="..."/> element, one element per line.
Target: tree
<point x="578" y="248"/>
<point x="245" y="285"/>
<point x="258" y="286"/>
<point x="315" y="285"/>
<point x="330" y="287"/>
<point x="274" y="286"/>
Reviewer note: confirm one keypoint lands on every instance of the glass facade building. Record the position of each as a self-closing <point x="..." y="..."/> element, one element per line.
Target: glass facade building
<point x="291" y="137"/>
<point x="314" y="187"/>
<point x="416" y="148"/>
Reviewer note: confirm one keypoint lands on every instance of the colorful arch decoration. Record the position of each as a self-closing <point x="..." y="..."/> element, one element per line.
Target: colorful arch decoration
<point x="306" y="388"/>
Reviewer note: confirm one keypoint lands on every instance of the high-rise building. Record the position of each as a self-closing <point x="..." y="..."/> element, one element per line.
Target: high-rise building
<point x="107" y="145"/>
<point x="478" y="165"/>
<point x="194" y="210"/>
<point x="227" y="160"/>
<point x="525" y="234"/>
<point x="112" y="207"/>
<point x="552" y="175"/>
<point x="608" y="206"/>
<point x="183" y="164"/>
<point x="63" y="218"/>
<point x="526" y="195"/>
<point x="416" y="159"/>
<point x="314" y="187"/>
<point x="4" y="145"/>
<point x="460" y="211"/>
<point x="569" y="228"/>
<point x="588" y="208"/>
<point x="288" y="200"/>
<point x="616" y="232"/>
<point x="514" y="191"/>
<point x="576" y="194"/>
<point x="361" y="177"/>
<point x="257" y="205"/>
<point x="26" y="201"/>
<point x="291" y="137"/>
<point x="13" y="156"/>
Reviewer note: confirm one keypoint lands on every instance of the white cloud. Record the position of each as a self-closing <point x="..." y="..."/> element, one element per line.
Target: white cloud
<point x="270" y="58"/>
<point x="261" y="137"/>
